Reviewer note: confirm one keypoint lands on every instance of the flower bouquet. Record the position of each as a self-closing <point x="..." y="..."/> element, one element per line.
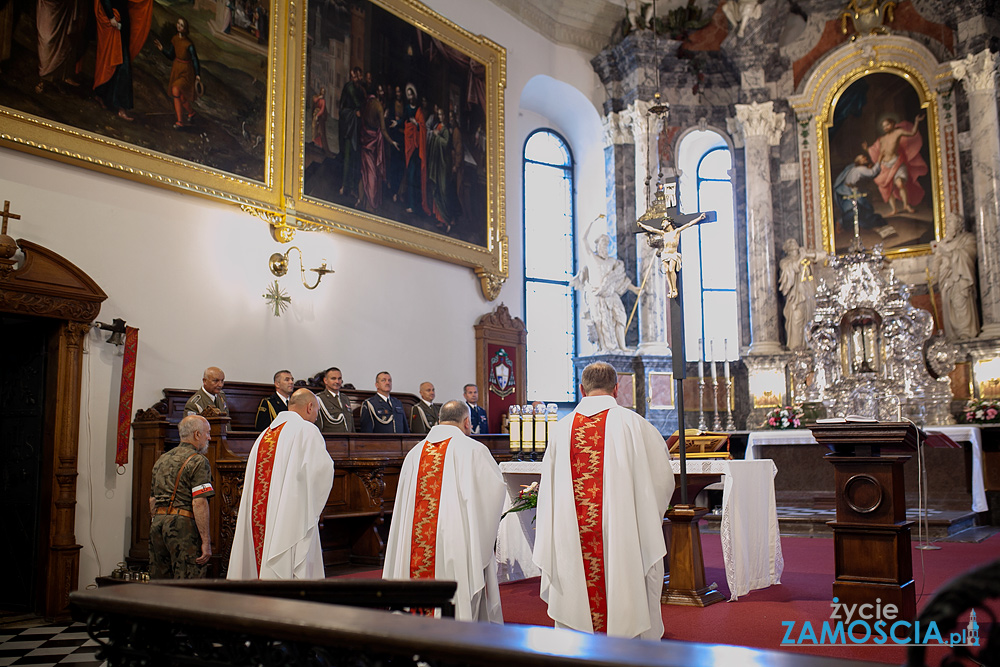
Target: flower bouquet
<point x="983" y="411"/>
<point x="789" y="416"/>
<point x="527" y="499"/>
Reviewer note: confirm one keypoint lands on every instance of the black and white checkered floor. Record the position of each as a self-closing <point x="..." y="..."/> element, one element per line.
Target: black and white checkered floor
<point x="47" y="645"/>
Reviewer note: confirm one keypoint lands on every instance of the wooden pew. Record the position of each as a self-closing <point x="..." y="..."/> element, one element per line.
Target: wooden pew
<point x="354" y="524"/>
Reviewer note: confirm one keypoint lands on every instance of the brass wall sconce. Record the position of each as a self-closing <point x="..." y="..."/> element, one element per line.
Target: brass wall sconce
<point x="279" y="267"/>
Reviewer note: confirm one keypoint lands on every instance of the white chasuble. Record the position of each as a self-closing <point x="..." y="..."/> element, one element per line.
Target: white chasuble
<point x="444" y="523"/>
<point x="288" y="479"/>
<point x="633" y="492"/>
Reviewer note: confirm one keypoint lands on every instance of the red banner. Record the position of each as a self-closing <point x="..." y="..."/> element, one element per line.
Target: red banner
<point x="125" y="395"/>
<point x="501" y="383"/>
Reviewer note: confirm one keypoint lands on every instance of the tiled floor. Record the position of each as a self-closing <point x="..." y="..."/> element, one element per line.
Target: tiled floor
<point x="48" y="645"/>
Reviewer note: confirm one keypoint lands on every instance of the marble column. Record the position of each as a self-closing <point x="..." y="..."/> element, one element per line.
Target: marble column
<point x="654" y="334"/>
<point x="977" y="72"/>
<point x="761" y="128"/>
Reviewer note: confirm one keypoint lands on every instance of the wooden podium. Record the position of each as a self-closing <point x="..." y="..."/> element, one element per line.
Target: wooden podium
<point x="871" y="536"/>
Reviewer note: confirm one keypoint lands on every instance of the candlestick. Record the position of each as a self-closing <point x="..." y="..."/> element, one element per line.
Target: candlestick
<point x="701" y="358"/>
<point x="702" y="424"/>
<point x="716" y="422"/>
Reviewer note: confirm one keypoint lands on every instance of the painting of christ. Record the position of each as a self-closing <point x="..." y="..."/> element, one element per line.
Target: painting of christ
<point x="883" y="188"/>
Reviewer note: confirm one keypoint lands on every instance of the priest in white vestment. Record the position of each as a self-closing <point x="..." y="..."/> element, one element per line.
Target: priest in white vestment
<point x="606" y="481"/>
<point x="288" y="479"/>
<point x="447" y="511"/>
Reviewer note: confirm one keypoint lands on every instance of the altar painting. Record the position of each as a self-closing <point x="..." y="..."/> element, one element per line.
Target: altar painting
<point x="882" y="175"/>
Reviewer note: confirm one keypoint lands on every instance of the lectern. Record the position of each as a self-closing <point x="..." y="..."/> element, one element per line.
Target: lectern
<point x="871" y="536"/>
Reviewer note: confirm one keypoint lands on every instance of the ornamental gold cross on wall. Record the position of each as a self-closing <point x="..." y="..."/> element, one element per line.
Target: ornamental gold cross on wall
<point x="6" y="214"/>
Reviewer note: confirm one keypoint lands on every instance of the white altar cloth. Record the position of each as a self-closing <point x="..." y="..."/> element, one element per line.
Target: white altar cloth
<point x="751" y="545"/>
<point x="962" y="433"/>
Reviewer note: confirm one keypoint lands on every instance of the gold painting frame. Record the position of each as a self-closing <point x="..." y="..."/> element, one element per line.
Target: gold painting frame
<point x="76" y="142"/>
<point x="833" y="241"/>
<point x="334" y="210"/>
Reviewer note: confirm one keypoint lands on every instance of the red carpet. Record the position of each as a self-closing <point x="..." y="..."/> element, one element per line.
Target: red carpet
<point x="804" y="595"/>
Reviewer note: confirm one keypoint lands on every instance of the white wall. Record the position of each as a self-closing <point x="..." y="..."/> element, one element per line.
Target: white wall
<point x="189" y="273"/>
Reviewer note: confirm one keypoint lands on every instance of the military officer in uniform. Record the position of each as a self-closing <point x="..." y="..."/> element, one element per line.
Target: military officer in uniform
<point x="334" y="408"/>
<point x="480" y="424"/>
<point x="424" y="414"/>
<point x="179" y="540"/>
<point x="210" y="394"/>
<point x="382" y="413"/>
<point x="277" y="402"/>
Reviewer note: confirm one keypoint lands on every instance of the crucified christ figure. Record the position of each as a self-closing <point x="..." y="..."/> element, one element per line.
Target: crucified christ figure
<point x="666" y="241"/>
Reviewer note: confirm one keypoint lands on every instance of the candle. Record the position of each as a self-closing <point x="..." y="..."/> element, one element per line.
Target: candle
<point x="701" y="359"/>
<point x="725" y="356"/>
<point x="711" y="353"/>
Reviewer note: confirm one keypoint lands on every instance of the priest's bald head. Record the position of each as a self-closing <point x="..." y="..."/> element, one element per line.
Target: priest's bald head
<point x="303" y="403"/>
<point x="599" y="379"/>
<point x="456" y="413"/>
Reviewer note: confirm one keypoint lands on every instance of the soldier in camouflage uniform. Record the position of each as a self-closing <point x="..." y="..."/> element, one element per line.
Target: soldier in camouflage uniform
<point x="179" y="541"/>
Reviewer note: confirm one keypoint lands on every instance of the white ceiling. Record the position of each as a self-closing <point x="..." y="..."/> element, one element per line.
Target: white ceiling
<point x="585" y="24"/>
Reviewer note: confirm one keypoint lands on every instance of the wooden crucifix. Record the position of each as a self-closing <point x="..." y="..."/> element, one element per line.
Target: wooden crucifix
<point x="667" y="240"/>
<point x="6" y="214"/>
<point x="687" y="566"/>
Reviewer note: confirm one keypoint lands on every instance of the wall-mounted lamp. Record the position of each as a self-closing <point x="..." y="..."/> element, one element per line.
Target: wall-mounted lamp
<point x="279" y="267"/>
<point x="117" y="329"/>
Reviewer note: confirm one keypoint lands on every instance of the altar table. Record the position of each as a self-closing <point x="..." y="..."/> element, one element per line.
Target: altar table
<point x="751" y="545"/>
<point x="962" y="433"/>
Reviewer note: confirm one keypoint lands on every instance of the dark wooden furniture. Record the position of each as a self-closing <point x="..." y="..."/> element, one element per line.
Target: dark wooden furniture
<point x="354" y="523"/>
<point x="178" y="626"/>
<point x="871" y="535"/>
<point x="49" y="286"/>
<point x="501" y="364"/>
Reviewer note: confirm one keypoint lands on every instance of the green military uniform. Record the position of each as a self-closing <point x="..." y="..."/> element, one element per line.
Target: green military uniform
<point x="334" y="413"/>
<point x="423" y="417"/>
<point x="174" y="541"/>
<point x="201" y="399"/>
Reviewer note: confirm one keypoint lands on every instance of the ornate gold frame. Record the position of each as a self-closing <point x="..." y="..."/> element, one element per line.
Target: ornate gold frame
<point x="490" y="262"/>
<point x="814" y="106"/>
<point x="825" y="121"/>
<point x="26" y="132"/>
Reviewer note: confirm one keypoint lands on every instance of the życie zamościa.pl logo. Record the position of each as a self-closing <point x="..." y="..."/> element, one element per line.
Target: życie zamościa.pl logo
<point x="875" y="624"/>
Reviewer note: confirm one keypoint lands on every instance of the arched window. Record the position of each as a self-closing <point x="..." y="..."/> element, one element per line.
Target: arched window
<point x="710" y="303"/>
<point x="549" y="263"/>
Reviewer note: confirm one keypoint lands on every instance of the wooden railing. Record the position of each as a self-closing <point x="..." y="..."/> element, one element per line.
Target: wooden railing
<point x="178" y="626"/>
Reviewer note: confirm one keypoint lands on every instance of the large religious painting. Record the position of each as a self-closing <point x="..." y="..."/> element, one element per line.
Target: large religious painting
<point x="177" y="93"/>
<point x="399" y="123"/>
<point x="883" y="181"/>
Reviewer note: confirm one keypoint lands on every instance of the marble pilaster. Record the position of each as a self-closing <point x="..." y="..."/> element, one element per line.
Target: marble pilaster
<point x="761" y="128"/>
<point x="654" y="307"/>
<point x="977" y="72"/>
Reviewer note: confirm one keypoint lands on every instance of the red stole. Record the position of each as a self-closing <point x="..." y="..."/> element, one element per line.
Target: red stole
<point x="261" y="489"/>
<point x="423" y="538"/>
<point x="586" y="457"/>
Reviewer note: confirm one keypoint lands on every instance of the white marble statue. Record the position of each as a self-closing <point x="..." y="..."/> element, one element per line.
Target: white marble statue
<point x="603" y="281"/>
<point x="796" y="283"/>
<point x="740" y="12"/>
<point x="954" y="268"/>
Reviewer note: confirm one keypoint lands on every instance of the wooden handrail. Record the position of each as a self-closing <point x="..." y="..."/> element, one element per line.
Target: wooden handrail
<point x="143" y="616"/>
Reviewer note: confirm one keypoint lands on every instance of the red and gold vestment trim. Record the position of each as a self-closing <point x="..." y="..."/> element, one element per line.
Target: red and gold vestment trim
<point x="261" y="489"/>
<point x="423" y="540"/>
<point x="586" y="457"/>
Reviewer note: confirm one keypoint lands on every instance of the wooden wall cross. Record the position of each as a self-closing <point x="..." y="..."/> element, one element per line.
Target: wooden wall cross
<point x="6" y="214"/>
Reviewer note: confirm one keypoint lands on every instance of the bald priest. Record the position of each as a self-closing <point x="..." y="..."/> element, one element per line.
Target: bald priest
<point x="448" y="504"/>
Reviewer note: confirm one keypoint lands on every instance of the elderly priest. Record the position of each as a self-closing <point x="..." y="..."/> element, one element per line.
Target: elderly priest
<point x="288" y="479"/>
<point x="606" y="481"/>
<point x="446" y="516"/>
